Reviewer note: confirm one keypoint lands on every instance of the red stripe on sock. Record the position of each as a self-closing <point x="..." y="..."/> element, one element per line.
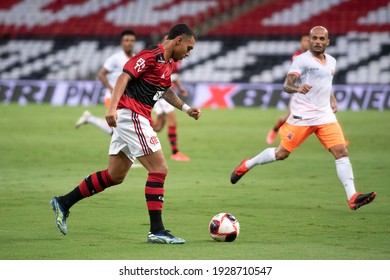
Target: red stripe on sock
<point x="96" y="183"/>
<point x="84" y="189"/>
<point x="149" y="190"/>
<point x="157" y="177"/>
<point x="172" y="129"/>
<point x="107" y="178"/>
<point x="172" y="136"/>
<point x="154" y="205"/>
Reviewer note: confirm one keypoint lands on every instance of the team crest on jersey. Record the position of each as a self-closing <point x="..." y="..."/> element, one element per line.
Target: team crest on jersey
<point x="139" y="65"/>
<point x="154" y="140"/>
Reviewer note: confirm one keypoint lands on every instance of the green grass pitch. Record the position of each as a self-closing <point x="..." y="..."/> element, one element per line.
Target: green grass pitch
<point x="290" y="210"/>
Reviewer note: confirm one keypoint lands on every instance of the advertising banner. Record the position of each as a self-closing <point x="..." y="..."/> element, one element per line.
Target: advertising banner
<point x="205" y="95"/>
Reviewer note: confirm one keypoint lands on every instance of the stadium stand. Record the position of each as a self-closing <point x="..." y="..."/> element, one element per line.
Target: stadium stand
<point x="103" y="17"/>
<point x="241" y="40"/>
<point x="362" y="58"/>
<point x="293" y="17"/>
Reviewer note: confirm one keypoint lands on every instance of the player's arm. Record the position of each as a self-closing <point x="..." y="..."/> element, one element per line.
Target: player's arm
<point x="291" y="87"/>
<point x="119" y="89"/>
<point x="102" y="76"/>
<point x="333" y="103"/>
<point x="180" y="87"/>
<point x="171" y="97"/>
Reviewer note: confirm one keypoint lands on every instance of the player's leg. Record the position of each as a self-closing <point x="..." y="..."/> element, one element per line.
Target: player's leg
<point x="97" y="182"/>
<point x="172" y="134"/>
<point x="332" y="137"/>
<point x="154" y="194"/>
<point x="163" y="107"/>
<point x="142" y="140"/>
<point x="274" y="131"/>
<point x="120" y="160"/>
<point x="291" y="137"/>
<point x="159" y="123"/>
<point x="88" y="118"/>
<point x="154" y="189"/>
<point x="172" y="137"/>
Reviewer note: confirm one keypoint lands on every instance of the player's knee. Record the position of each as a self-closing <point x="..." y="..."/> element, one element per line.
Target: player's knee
<point x="118" y="179"/>
<point x="172" y="122"/>
<point x="163" y="169"/>
<point x="281" y="154"/>
<point x="160" y="168"/>
<point x="157" y="128"/>
<point x="339" y="151"/>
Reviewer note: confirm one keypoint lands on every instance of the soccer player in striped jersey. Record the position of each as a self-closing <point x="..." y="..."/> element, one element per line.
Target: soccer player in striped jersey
<point x="313" y="108"/>
<point x="146" y="78"/>
<point x="108" y="73"/>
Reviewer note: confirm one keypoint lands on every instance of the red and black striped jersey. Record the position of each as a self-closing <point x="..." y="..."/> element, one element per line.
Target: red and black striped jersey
<point x="150" y="78"/>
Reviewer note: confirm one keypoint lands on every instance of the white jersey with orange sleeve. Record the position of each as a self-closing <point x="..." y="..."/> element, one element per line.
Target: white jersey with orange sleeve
<point x="312" y="108"/>
<point x="114" y="66"/>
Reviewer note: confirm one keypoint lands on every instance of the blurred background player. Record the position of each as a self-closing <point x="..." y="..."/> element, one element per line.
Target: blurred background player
<point x="273" y="132"/>
<point x="108" y="74"/>
<point x="165" y="113"/>
<point x="313" y="106"/>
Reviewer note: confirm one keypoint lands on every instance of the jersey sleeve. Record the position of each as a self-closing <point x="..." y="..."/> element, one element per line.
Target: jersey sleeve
<point x="139" y="64"/>
<point x="296" y="66"/>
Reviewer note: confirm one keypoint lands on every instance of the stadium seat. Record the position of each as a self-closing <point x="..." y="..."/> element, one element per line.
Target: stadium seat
<point x="72" y="39"/>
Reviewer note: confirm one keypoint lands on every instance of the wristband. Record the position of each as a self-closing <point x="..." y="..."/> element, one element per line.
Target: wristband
<point x="185" y="108"/>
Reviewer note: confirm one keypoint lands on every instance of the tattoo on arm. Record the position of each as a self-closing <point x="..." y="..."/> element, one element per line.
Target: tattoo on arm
<point x="289" y="84"/>
<point x="171" y="97"/>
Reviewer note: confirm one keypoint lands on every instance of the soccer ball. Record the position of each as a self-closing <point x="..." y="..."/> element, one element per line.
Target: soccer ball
<point x="224" y="227"/>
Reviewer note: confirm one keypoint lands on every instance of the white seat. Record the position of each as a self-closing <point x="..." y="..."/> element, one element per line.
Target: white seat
<point x="352" y="77"/>
<point x="384" y="77"/>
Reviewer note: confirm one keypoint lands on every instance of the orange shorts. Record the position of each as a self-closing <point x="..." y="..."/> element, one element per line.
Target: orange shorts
<point x="330" y="135"/>
<point x="107" y="102"/>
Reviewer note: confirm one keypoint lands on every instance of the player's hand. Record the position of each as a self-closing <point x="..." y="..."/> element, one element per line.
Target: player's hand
<point x="304" y="89"/>
<point x="183" y="92"/>
<point x="333" y="104"/>
<point x="111" y="117"/>
<point x="194" y="113"/>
